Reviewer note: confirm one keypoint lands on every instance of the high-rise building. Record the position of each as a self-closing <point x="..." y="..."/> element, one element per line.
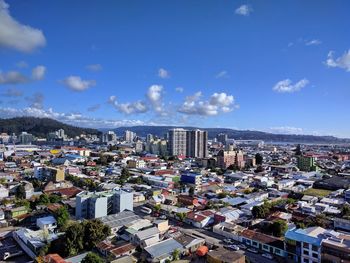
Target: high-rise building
<point x="149" y="138"/>
<point x="109" y="137"/>
<point x="191" y="143"/>
<point x="129" y="136"/>
<point x="177" y="141"/>
<point x="222" y="138"/>
<point x="26" y="138"/>
<point x="197" y="142"/>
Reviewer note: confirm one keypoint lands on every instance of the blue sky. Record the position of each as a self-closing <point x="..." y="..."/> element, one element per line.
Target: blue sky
<point x="276" y="66"/>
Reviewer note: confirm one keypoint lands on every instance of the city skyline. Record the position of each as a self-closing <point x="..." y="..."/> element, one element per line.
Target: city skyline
<point x="269" y="66"/>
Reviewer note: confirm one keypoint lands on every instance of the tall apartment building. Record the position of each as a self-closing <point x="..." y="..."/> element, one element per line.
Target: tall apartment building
<point x="129" y="136"/>
<point x="197" y="143"/>
<point x="95" y="205"/>
<point x="189" y="143"/>
<point x="109" y="137"/>
<point x="177" y="141"/>
<point x="222" y="138"/>
<point x="26" y="138"/>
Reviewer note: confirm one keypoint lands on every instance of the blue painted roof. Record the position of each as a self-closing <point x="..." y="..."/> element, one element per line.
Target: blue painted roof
<point x="302" y="235"/>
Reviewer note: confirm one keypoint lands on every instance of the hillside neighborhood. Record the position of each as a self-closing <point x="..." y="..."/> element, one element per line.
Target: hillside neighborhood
<point x="125" y="198"/>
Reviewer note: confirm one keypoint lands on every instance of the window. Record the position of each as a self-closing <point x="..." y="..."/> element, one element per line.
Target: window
<point x="306" y="245"/>
<point x="315" y="255"/>
<point x="306" y="260"/>
<point x="305" y="252"/>
<point x="314" y="248"/>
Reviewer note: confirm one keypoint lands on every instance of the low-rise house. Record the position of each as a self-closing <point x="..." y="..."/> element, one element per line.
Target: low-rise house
<point x="267" y="243"/>
<point x="229" y="230"/>
<point x="190" y="243"/>
<point x="47" y="223"/>
<point x="146" y="237"/>
<point x="32" y="241"/>
<point x="162" y="251"/>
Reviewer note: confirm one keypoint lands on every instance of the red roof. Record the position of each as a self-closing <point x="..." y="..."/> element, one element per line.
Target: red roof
<point x="54" y="258"/>
<point x="69" y="192"/>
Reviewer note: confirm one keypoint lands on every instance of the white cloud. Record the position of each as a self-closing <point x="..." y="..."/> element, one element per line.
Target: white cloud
<point x="286" y="86"/>
<point x="77" y="83"/>
<point x="222" y="74"/>
<point x="129" y="107"/>
<point x="155" y="96"/>
<point x="16" y="35"/>
<point x="286" y="130"/>
<point x="179" y="89"/>
<point x="313" y="42"/>
<point x="12" y="77"/>
<point x="38" y="73"/>
<point x="218" y="103"/>
<point x="340" y="62"/>
<point x="94" y="67"/>
<point x="244" y="10"/>
<point x="163" y="73"/>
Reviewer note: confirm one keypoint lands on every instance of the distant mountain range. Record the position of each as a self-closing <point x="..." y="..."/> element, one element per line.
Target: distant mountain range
<point x="160" y="131"/>
<point x="40" y="127"/>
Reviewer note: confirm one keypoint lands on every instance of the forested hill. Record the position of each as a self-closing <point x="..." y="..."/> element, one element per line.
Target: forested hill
<point x="40" y="127"/>
<point x="237" y="134"/>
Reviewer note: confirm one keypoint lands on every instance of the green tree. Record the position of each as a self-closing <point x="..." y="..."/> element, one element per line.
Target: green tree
<point x="55" y="198"/>
<point x="94" y="232"/>
<point x="74" y="239"/>
<point x="92" y="258"/>
<point x="62" y="216"/>
<point x="44" y="199"/>
<point x="258" y="159"/>
<point x="279" y="227"/>
<point x="176" y="254"/>
<point x="20" y="192"/>
<point x="181" y="216"/>
<point x="157" y="208"/>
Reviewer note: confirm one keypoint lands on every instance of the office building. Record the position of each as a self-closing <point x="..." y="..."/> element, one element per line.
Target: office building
<point x="95" y="205"/>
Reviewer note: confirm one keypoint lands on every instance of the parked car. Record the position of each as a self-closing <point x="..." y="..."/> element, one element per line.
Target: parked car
<point x="253" y="250"/>
<point x="233" y="247"/>
<point x="267" y="255"/>
<point x="163" y="217"/>
<point x="241" y="246"/>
